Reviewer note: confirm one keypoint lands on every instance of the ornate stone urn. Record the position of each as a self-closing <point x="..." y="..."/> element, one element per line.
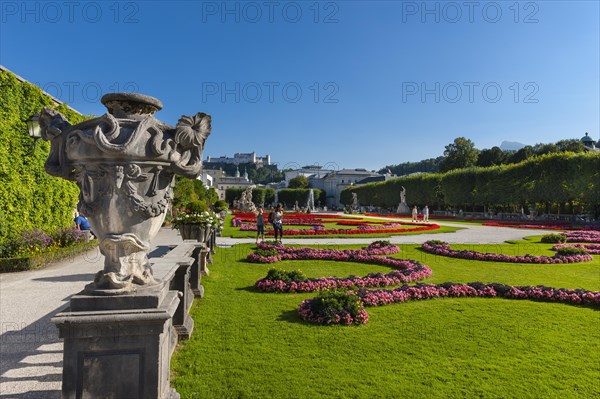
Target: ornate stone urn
<point x="124" y="163"/>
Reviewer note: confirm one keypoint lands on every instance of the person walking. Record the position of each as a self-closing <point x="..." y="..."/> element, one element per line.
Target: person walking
<point x="426" y="214"/>
<point x="278" y="222"/>
<point x="415" y="214"/>
<point x="260" y="225"/>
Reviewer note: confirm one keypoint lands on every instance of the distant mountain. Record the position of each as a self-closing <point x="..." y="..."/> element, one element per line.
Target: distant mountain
<point x="511" y="146"/>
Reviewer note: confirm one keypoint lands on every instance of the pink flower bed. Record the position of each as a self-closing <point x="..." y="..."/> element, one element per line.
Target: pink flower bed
<point x="343" y="317"/>
<point x="590" y="248"/>
<point x="406" y="270"/>
<point x="430" y="291"/>
<point x="442" y="248"/>
<point x="591" y="236"/>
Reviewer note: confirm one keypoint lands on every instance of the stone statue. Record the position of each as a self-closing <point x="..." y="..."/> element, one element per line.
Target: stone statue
<point x="355" y="204"/>
<point x="403" y="207"/>
<point x="124" y="163"/>
<point x="245" y="203"/>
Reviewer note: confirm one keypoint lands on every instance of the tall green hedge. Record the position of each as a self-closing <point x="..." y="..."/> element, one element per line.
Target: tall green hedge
<point x="552" y="180"/>
<point x="29" y="197"/>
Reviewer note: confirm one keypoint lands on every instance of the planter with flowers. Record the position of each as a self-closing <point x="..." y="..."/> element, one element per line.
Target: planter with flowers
<point x="197" y="225"/>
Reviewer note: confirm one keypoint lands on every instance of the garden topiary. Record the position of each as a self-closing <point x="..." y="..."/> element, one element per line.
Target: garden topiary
<point x="197" y="206"/>
<point x="553" y="238"/>
<point x="569" y="251"/>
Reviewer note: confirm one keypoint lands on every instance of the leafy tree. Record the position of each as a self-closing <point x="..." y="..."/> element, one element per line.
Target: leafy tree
<point x="520" y="155"/>
<point x="430" y="165"/>
<point x="571" y="145"/>
<point x="491" y="156"/>
<point x="190" y="190"/>
<point x="459" y="154"/>
<point x="298" y="182"/>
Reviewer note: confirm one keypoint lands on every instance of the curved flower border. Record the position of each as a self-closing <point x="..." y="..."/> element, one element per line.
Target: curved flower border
<point x="593" y="249"/>
<point x="406" y="270"/>
<point x="589" y="236"/>
<point x="422" y="291"/>
<point x="443" y="248"/>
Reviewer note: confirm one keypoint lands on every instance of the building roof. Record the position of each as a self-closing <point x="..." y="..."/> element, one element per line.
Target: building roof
<point x="587" y="139"/>
<point x="371" y="179"/>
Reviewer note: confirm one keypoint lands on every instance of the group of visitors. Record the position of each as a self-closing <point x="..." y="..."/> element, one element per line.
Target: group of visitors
<point x="416" y="216"/>
<point x="275" y="218"/>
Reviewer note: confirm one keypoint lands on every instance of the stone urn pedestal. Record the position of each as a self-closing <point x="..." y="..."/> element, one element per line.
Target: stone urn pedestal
<point x="119" y="346"/>
<point x="120" y="331"/>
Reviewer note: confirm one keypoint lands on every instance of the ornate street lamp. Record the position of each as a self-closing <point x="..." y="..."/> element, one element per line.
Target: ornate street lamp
<point x="33" y="127"/>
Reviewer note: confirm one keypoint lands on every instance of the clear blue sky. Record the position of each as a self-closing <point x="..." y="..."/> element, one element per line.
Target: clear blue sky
<point x="361" y="67"/>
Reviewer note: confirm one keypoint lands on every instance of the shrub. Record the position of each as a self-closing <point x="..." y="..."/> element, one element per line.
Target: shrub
<point x="34" y="240"/>
<point x="553" y="238"/>
<point x="220" y="206"/>
<point x="334" y="307"/>
<point x="266" y="252"/>
<point x="292" y="276"/>
<point x="68" y="236"/>
<point x="197" y="206"/>
<point x="568" y="251"/>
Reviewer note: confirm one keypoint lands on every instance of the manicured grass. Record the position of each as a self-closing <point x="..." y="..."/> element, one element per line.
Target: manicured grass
<point x="248" y="344"/>
<point x="230" y="231"/>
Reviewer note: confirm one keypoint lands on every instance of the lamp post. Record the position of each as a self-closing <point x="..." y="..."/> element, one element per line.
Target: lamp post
<point x="33" y="127"/>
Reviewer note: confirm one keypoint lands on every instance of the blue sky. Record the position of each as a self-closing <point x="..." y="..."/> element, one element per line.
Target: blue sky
<point x="346" y="83"/>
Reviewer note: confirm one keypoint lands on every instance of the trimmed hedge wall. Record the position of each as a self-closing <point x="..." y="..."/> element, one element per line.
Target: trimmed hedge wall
<point x="547" y="180"/>
<point x="289" y="196"/>
<point x="29" y="197"/>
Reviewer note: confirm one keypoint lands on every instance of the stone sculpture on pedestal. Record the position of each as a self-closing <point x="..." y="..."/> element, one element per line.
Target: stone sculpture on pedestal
<point x="403" y="207"/>
<point x="124" y="163"/>
<point x="119" y="333"/>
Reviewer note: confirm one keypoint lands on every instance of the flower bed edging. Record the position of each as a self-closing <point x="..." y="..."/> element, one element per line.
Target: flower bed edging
<point x="477" y="289"/>
<point x="406" y="270"/>
<point x="590" y="248"/>
<point x="443" y="248"/>
<point x="589" y="236"/>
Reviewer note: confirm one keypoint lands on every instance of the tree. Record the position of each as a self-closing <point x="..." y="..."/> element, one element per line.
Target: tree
<point x="572" y="145"/>
<point x="491" y="156"/>
<point x="298" y="182"/>
<point x="521" y="155"/>
<point x="459" y="154"/>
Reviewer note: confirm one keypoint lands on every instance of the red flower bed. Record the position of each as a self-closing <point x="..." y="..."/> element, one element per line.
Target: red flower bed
<point x="442" y="248"/>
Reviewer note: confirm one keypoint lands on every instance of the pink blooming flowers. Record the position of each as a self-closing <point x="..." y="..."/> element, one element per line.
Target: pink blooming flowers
<point x="590" y="248"/>
<point x="591" y="236"/>
<point x="422" y="291"/>
<point x="442" y="248"/>
<point x="406" y="270"/>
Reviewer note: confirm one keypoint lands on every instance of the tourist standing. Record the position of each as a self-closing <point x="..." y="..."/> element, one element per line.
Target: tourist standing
<point x="415" y="214"/>
<point x="278" y="222"/>
<point x="426" y="214"/>
<point x="260" y="225"/>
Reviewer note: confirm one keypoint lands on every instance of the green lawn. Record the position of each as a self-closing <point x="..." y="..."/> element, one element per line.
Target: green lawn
<point x="248" y="344"/>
